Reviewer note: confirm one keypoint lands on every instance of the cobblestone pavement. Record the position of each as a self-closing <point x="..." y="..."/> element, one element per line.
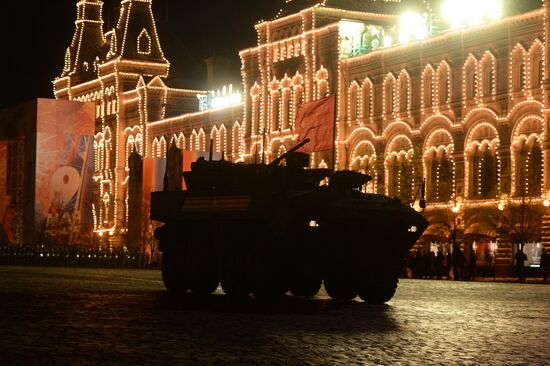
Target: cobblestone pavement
<point x="64" y="316"/>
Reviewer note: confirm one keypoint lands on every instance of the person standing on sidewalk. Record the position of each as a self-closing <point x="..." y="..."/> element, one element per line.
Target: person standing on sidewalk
<point x="545" y="265"/>
<point x="520" y="264"/>
<point x="458" y="263"/>
<point x="448" y="264"/>
<point x="472" y="265"/>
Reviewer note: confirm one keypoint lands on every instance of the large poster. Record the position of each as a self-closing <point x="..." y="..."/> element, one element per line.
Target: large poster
<point x="64" y="169"/>
<point x="7" y="208"/>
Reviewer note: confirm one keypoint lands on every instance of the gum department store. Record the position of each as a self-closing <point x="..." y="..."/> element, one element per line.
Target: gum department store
<point x="465" y="108"/>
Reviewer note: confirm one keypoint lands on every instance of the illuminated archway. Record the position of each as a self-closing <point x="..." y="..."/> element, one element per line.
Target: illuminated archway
<point x="439" y="166"/>
<point x="482" y="162"/>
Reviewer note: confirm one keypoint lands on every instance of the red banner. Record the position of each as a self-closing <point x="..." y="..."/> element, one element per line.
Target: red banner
<point x="315" y="120"/>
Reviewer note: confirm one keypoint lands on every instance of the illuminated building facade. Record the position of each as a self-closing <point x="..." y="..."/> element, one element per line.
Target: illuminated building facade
<point x="122" y="72"/>
<point x="462" y="104"/>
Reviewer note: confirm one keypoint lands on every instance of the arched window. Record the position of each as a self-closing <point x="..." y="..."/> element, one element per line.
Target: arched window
<point x="528" y="168"/>
<point x="255" y="110"/>
<point x="483" y="162"/>
<point x="444" y="83"/>
<point x="214" y="139"/>
<point x="129" y="149"/>
<point x="517" y="72"/>
<point x="401" y="173"/>
<point x="367" y="100"/>
<point x="285" y="103"/>
<point x="363" y="160"/>
<point x="470" y="79"/>
<point x="201" y="141"/>
<point x="488" y="72"/>
<point x="274" y="97"/>
<point x="144" y="43"/>
<point x="180" y="143"/>
<point x="527" y="157"/>
<point x="321" y="79"/>
<point x="237" y="142"/>
<point x="162" y="148"/>
<point x="442" y="177"/>
<point x="193" y="143"/>
<point x="439" y="166"/>
<point x="273" y="105"/>
<point x="536" y="63"/>
<point x="285" y="108"/>
<point x="427" y="87"/>
<point x="155" y="147"/>
<point x="352" y="103"/>
<point x="404" y="90"/>
<point x="389" y="86"/>
<point x="399" y="169"/>
<point x="222" y="139"/>
<point x="297" y="95"/>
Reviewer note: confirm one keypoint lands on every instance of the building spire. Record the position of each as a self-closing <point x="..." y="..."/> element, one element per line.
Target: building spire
<point x="88" y="42"/>
<point x="136" y="33"/>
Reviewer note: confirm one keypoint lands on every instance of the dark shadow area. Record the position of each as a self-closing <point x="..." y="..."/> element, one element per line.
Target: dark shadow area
<point x="129" y="306"/>
<point x="286" y="304"/>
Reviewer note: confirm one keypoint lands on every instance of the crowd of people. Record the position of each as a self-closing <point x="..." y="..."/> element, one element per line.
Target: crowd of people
<point x="75" y="256"/>
<point x="450" y="265"/>
<point x="455" y="265"/>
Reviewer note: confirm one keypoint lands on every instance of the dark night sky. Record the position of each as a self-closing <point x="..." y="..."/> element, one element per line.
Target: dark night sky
<point x="189" y="32"/>
<point x="36" y="33"/>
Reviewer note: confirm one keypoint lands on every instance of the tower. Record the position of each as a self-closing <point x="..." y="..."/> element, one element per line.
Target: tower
<point x="121" y="71"/>
<point x="87" y="47"/>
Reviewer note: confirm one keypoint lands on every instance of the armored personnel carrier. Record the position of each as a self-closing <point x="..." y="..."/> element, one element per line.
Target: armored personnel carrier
<point x="266" y="229"/>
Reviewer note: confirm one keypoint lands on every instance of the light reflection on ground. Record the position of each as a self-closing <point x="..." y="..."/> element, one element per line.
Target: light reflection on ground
<point x="90" y="316"/>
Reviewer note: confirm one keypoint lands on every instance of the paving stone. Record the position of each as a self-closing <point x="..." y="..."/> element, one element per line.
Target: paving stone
<point x="64" y="316"/>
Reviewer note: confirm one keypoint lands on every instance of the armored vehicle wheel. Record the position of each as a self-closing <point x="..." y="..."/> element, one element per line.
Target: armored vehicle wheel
<point x="234" y="278"/>
<point x="236" y="262"/>
<point x="269" y="284"/>
<point x="173" y="274"/>
<point x="235" y="288"/>
<point x="378" y="291"/>
<point x="306" y="286"/>
<point x="235" y="282"/>
<point x="340" y="288"/>
<point x="204" y="287"/>
<point x="204" y="278"/>
<point x="268" y="278"/>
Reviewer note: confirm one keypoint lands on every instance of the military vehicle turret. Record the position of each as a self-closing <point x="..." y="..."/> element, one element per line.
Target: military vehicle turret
<point x="266" y="229"/>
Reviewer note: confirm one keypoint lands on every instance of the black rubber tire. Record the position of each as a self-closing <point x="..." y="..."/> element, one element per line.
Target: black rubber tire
<point x="306" y="287"/>
<point x="173" y="274"/>
<point x="203" y="277"/>
<point x="378" y="292"/>
<point x="204" y="287"/>
<point x="234" y="289"/>
<point x="341" y="289"/>
<point x="235" y="276"/>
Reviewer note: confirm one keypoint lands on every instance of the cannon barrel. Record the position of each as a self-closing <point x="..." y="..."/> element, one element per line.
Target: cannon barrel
<point x="280" y="158"/>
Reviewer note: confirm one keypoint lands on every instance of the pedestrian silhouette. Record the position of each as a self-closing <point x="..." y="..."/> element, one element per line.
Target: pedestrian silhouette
<point x="448" y="264"/>
<point x="520" y="264"/>
<point x="472" y="265"/>
<point x="545" y="265"/>
<point x="458" y="263"/>
<point x="439" y="264"/>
